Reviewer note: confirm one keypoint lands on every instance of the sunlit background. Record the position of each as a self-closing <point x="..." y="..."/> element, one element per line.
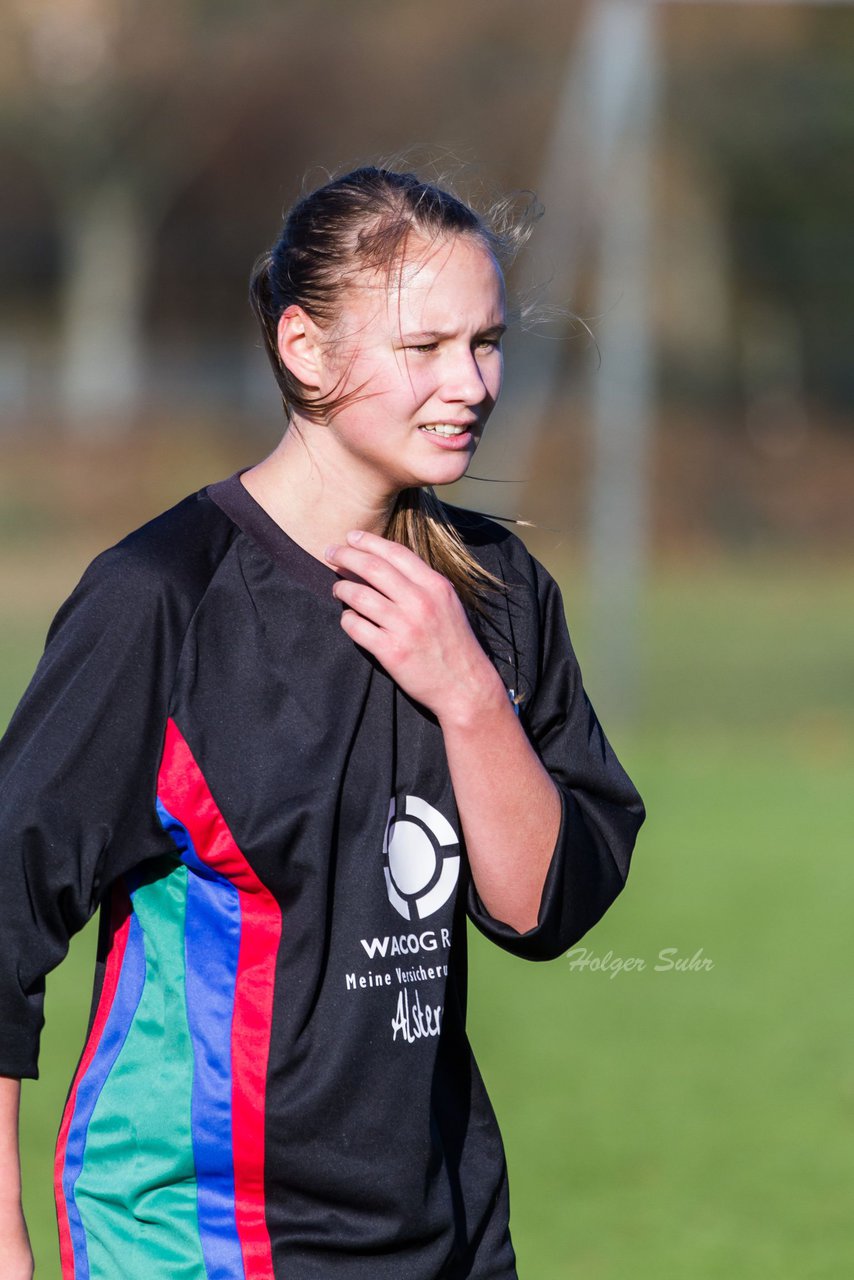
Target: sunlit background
<point x="677" y="427"/>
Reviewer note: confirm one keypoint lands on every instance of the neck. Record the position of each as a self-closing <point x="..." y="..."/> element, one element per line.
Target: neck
<point x="314" y="495"/>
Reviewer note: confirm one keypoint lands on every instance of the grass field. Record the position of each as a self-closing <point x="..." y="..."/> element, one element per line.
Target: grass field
<point x="688" y="1123"/>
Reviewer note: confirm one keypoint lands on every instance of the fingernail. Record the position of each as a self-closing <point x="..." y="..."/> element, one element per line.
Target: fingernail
<point x="354" y="535"/>
<point x="329" y="553"/>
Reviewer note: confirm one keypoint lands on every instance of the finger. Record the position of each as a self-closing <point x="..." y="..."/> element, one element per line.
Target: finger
<point x="404" y="560"/>
<point x="375" y="570"/>
<point x="366" y="601"/>
<point x="364" y="633"/>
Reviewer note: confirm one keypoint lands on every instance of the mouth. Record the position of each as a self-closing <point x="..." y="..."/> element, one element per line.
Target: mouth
<point x="446" y="429"/>
<point x="449" y="435"/>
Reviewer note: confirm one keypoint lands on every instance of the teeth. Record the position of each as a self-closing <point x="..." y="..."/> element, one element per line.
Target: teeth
<point x="444" y="429"/>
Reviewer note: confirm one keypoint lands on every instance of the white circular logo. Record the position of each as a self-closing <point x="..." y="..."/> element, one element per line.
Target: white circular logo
<point x="421" y="858"/>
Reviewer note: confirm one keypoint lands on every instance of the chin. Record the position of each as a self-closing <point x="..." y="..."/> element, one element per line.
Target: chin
<point x="445" y="471"/>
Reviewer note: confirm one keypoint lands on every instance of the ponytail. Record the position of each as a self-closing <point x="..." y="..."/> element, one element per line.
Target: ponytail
<point x="419" y="522"/>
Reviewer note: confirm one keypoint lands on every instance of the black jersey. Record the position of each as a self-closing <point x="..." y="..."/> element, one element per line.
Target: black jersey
<point x="277" y="1081"/>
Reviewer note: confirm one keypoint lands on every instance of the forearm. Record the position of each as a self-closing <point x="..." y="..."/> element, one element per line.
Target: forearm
<point x="509" y="807"/>
<point x="15" y="1255"/>
<point x="10" y="1165"/>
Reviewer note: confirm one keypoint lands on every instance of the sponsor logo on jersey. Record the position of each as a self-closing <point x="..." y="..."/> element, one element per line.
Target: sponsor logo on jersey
<point x="421" y="858"/>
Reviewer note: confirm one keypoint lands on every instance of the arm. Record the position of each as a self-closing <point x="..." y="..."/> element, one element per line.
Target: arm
<point x="410" y="618"/>
<point x="16" y="1259"/>
<point x="509" y="806"/>
<point x="601" y="811"/>
<point x="77" y="781"/>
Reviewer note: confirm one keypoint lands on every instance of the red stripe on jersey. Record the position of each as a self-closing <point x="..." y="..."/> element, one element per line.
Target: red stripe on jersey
<point x="185" y="793"/>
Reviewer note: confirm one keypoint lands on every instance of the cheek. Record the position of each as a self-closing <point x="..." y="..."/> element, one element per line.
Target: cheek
<point x="415" y="385"/>
<point x="494" y="377"/>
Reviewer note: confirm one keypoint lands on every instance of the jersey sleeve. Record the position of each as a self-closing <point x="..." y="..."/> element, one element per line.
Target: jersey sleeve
<point x="77" y="781"/>
<point x="601" y="812"/>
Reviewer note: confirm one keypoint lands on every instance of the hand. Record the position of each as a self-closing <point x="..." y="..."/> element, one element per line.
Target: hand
<point x="411" y="619"/>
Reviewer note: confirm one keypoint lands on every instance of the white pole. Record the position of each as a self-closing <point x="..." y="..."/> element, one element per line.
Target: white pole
<point x="621" y="125"/>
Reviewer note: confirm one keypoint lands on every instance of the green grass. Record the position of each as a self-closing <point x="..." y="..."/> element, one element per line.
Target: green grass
<point x="663" y="1124"/>
<point x="692" y="1123"/>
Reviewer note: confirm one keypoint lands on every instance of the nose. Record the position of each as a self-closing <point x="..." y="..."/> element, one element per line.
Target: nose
<point x="464" y="380"/>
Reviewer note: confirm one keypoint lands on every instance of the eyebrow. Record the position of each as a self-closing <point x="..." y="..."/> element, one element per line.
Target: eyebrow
<point x="436" y="335"/>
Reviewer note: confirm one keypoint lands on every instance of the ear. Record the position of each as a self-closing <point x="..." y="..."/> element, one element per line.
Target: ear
<point x="299" y="346"/>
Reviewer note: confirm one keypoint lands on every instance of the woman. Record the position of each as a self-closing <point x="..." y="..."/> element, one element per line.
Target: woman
<point x="288" y="735"/>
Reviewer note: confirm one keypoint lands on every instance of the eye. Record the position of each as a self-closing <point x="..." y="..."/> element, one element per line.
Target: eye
<point x="424" y="346"/>
<point x="488" y="344"/>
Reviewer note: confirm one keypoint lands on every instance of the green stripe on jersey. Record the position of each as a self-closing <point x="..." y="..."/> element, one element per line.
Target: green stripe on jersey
<point x="137" y="1190"/>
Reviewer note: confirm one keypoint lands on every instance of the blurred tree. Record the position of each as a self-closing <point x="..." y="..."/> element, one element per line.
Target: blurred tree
<point x="121" y="104"/>
<point x="776" y="124"/>
<point x="168" y="135"/>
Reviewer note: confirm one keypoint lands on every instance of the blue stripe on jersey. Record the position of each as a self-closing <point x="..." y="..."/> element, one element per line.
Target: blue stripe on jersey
<point x="212" y="946"/>
<point x="124" y="1006"/>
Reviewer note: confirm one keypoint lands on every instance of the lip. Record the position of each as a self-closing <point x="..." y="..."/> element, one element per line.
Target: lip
<point x="462" y="441"/>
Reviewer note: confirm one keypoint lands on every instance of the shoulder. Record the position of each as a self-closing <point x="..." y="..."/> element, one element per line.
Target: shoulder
<point x="183" y="546"/>
<point x="496" y="547"/>
<point x="529" y="614"/>
<point x="501" y="551"/>
<point x="166" y="563"/>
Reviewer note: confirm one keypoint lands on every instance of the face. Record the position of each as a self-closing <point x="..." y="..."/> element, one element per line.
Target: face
<point x="425" y="347"/>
